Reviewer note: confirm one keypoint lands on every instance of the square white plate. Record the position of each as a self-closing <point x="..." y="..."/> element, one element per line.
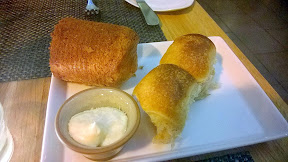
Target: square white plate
<point x="238" y="113"/>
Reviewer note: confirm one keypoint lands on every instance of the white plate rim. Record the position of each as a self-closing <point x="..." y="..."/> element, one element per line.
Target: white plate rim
<point x="188" y="4"/>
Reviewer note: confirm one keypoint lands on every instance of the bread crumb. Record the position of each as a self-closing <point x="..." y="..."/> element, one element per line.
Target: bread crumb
<point x="140" y="67"/>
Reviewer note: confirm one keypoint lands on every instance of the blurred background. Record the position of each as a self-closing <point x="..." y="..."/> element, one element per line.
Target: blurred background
<point x="260" y="30"/>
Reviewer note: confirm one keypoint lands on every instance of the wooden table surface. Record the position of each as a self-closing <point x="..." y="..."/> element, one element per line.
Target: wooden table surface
<point x="25" y="101"/>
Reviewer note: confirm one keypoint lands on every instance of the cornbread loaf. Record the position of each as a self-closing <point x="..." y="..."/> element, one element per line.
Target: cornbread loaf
<point x="196" y="54"/>
<point x="165" y="94"/>
<point x="93" y="53"/>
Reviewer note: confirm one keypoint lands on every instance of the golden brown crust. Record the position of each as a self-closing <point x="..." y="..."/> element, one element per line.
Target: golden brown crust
<point x="93" y="53"/>
<point x="164" y="94"/>
<point x="194" y="53"/>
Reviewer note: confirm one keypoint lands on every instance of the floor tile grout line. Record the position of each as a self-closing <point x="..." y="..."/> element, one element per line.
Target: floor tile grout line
<point x="285" y="49"/>
<point x="254" y="54"/>
<point x="273" y="11"/>
<point x="255" y="57"/>
<point x="266" y="53"/>
<point x="259" y="25"/>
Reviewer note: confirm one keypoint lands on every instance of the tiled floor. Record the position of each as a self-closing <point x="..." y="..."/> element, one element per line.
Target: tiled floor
<point x="260" y="29"/>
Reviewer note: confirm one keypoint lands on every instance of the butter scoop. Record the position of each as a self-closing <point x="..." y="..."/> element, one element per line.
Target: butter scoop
<point x="98" y="127"/>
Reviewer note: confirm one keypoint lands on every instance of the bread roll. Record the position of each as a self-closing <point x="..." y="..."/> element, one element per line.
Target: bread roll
<point x="196" y="54"/>
<point x="164" y="94"/>
<point x="93" y="53"/>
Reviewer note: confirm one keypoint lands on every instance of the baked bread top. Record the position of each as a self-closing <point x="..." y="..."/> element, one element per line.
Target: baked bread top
<point x="93" y="53"/>
<point x="164" y="94"/>
<point x="194" y="53"/>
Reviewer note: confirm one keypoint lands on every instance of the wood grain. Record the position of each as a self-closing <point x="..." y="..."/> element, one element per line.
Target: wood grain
<point x="25" y="102"/>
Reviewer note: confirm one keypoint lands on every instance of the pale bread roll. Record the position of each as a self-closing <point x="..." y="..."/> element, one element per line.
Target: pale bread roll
<point x="164" y="94"/>
<point x="196" y="54"/>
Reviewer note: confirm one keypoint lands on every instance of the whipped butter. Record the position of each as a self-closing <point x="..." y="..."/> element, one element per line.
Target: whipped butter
<point x="98" y="127"/>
